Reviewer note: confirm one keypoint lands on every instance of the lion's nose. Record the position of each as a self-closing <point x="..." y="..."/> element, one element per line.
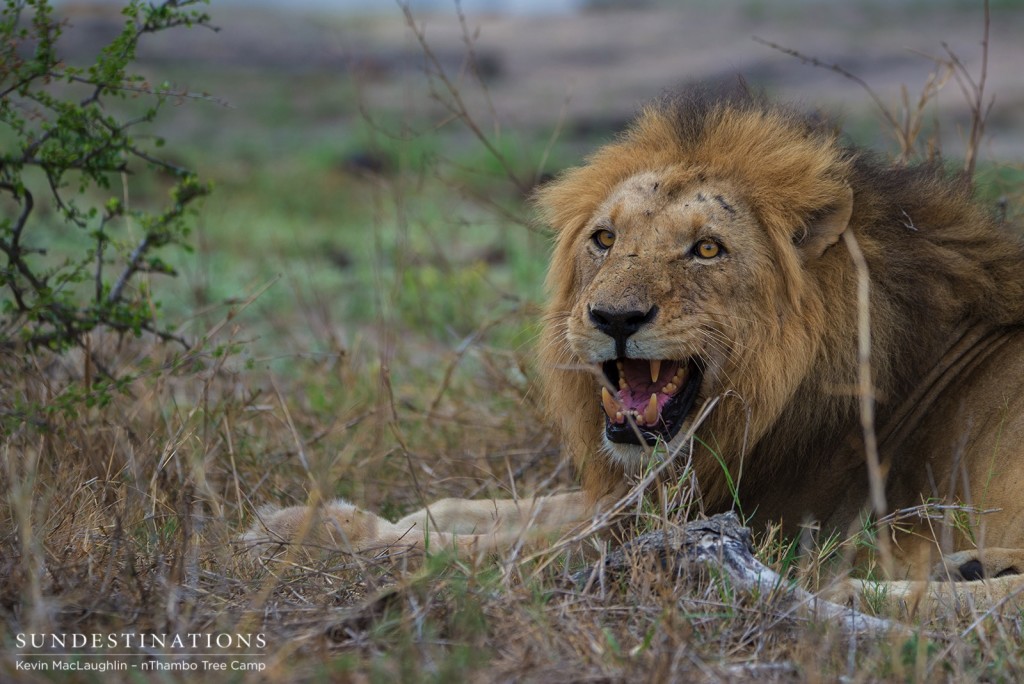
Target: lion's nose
<point x="621" y="324"/>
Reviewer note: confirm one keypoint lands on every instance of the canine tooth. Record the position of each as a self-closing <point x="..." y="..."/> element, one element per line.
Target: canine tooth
<point x="609" y="404"/>
<point x="651" y="414"/>
<point x="655" y="369"/>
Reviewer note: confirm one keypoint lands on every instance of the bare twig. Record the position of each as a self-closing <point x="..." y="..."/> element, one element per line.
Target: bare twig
<point x="866" y="393"/>
<point x="396" y="431"/>
<point x="908" y="125"/>
<point x="975" y="96"/>
<point x="472" y="61"/>
<point x="814" y="61"/>
<point x="451" y="97"/>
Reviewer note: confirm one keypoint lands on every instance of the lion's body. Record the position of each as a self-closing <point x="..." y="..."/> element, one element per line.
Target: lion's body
<point x="959" y="447"/>
<point x="776" y="318"/>
<point x="714" y="239"/>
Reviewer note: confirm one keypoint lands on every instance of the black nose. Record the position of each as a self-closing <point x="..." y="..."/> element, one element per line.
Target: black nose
<point x="620" y="325"/>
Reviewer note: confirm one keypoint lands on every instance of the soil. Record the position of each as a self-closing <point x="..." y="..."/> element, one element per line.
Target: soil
<point x="595" y="68"/>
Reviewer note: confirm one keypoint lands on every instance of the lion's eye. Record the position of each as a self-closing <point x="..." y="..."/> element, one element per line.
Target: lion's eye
<point x="707" y="249"/>
<point x="604" y="238"/>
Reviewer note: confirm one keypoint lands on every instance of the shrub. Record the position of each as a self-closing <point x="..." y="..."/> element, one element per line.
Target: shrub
<point x="62" y="149"/>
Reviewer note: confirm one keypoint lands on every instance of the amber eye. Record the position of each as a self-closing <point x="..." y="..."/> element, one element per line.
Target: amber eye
<point x="604" y="238"/>
<point x="707" y="249"/>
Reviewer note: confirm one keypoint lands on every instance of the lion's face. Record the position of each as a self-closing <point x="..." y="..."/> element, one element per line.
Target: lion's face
<point x="674" y="284"/>
<point x="694" y="261"/>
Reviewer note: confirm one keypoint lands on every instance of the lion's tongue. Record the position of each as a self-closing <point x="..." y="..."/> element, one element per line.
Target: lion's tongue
<point x="644" y="388"/>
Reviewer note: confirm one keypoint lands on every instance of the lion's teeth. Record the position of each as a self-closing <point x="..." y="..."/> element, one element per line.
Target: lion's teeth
<point x="651" y="414"/>
<point x="610" y="407"/>
<point x="670" y="388"/>
<point x="655" y="369"/>
<point x="619" y="418"/>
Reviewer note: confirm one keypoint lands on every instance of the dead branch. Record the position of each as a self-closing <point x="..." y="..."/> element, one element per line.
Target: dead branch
<point x="908" y="126"/>
<point x="886" y="113"/>
<point x="723" y="546"/>
<point x="909" y="123"/>
<point x="974" y="93"/>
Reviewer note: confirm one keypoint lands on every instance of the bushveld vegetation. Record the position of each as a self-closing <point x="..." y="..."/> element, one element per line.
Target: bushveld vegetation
<point x="144" y="419"/>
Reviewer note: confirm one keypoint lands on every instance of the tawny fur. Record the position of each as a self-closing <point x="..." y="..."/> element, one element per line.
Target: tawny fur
<point x="778" y="318"/>
<point x="939" y="264"/>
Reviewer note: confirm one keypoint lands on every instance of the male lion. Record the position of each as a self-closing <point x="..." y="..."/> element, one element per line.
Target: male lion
<point x="710" y="256"/>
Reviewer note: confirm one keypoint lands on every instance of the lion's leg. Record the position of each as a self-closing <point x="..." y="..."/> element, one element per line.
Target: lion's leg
<point x="490" y="516"/>
<point x="975" y="578"/>
<point x="490" y="524"/>
<point x="335" y="525"/>
<point x="449" y="523"/>
<point x="917" y="597"/>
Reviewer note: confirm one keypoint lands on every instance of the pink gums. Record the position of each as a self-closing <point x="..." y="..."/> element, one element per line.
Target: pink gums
<point x="636" y="396"/>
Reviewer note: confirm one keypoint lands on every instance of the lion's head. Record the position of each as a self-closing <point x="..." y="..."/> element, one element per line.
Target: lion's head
<point x="697" y="258"/>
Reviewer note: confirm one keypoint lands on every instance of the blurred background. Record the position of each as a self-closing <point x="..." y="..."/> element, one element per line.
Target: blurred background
<point x="345" y="169"/>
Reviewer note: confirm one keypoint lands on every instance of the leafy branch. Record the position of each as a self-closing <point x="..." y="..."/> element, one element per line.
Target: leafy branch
<point x="65" y="145"/>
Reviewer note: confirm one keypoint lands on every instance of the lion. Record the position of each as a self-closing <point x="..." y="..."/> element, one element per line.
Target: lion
<point x="707" y="309"/>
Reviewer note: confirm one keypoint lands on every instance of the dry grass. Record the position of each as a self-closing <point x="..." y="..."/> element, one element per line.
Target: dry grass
<point x="121" y="505"/>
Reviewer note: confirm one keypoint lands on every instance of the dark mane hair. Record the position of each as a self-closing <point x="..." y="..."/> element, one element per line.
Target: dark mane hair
<point x="938" y="261"/>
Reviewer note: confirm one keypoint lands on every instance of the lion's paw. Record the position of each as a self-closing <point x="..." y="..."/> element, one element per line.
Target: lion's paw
<point x="970" y="566"/>
<point x="337" y="525"/>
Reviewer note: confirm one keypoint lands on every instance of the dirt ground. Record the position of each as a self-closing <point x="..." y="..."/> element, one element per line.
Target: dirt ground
<point x="599" y="66"/>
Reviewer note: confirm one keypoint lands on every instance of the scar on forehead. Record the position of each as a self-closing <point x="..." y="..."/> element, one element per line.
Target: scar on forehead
<point x="668" y="187"/>
<point x="725" y="205"/>
<point x="613" y="216"/>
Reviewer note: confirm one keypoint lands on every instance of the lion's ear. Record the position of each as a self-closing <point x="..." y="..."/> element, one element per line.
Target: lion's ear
<point x="826" y="228"/>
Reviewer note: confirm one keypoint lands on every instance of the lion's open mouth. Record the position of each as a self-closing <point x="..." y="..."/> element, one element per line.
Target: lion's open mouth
<point x="657" y="394"/>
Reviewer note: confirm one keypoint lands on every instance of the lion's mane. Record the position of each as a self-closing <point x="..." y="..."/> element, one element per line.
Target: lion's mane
<point x="938" y="261"/>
